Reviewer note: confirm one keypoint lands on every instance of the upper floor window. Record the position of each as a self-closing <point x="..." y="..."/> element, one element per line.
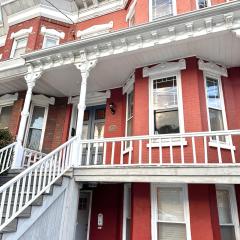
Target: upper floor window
<point x="162" y="8"/>
<point x="170" y="213"/>
<point x="5" y="114"/>
<point x="203" y="3"/>
<point x="130" y="18"/>
<point x="19" y="47"/>
<point x="50" y="41"/>
<point x="227" y="213"/>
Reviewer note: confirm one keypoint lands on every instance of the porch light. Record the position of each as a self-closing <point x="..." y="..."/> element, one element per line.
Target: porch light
<point x="112" y="108"/>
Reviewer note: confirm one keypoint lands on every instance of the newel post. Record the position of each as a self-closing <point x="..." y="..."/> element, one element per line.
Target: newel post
<point x="30" y="79"/>
<point x="85" y="67"/>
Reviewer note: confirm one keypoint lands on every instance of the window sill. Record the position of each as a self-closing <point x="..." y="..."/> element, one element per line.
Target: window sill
<point x="222" y="145"/>
<point x="166" y="143"/>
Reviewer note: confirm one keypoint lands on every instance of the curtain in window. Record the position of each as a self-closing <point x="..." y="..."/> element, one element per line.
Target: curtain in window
<point x="161" y="8"/>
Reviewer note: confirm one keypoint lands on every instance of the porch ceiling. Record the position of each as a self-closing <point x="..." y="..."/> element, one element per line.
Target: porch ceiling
<point x="112" y="71"/>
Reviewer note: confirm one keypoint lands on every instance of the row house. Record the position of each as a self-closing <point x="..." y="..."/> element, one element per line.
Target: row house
<point x="125" y="118"/>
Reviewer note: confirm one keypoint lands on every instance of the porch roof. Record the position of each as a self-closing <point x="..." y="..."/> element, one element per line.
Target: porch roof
<point x="210" y="34"/>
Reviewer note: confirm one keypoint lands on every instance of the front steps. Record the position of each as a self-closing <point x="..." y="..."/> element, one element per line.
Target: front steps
<point x="13" y="226"/>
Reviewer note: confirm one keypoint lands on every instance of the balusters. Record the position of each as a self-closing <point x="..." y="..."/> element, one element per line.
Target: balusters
<point x="205" y="150"/>
<point x="182" y="151"/>
<point x="150" y="151"/>
<point x="194" y="150"/>
<point x="219" y="150"/>
<point x="121" y="153"/>
<point x="104" y="152"/>
<point x="140" y="151"/>
<point x="96" y="154"/>
<point x="112" y="153"/>
<point x="130" y="153"/>
<point x="171" y="151"/>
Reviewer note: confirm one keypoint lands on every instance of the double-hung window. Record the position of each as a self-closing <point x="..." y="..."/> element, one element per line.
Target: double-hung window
<point x="50" y="41"/>
<point x="165" y="105"/>
<point x="203" y="3"/>
<point x="227" y="213"/>
<point x="19" y="47"/>
<point x="5" y="114"/>
<point x="162" y="8"/>
<point x="36" y="127"/>
<point x="170" y="213"/>
<point x="129" y="117"/>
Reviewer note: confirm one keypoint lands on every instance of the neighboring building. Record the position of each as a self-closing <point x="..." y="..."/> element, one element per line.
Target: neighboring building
<point x="130" y="109"/>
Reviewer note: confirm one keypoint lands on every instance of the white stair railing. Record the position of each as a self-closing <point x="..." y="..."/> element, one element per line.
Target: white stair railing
<point x="195" y="148"/>
<point x="17" y="194"/>
<point x="31" y="156"/>
<point x="6" y="156"/>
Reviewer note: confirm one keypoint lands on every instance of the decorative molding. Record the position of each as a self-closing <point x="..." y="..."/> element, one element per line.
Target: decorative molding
<point x="92" y="99"/>
<point x="52" y="32"/>
<point x="21" y="33"/>
<point x="131" y="11"/>
<point x="164" y="68"/>
<point x="128" y="86"/>
<point x="95" y="30"/>
<point x="42" y="100"/>
<point x="212" y="68"/>
<point x="8" y="99"/>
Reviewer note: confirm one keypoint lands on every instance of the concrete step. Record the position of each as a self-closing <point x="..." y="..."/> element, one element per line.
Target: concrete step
<point x="11" y="227"/>
<point x="24" y="214"/>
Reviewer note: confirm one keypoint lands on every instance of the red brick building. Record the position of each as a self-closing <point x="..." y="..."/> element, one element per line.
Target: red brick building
<point x="127" y="112"/>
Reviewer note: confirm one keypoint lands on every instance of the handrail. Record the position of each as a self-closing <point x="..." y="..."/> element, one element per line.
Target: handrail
<point x="6" y="155"/>
<point x="27" y="186"/>
<point x="31" y="156"/>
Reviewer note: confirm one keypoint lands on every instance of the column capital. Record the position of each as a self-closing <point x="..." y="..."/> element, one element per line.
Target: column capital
<point x="31" y="78"/>
<point x="85" y="67"/>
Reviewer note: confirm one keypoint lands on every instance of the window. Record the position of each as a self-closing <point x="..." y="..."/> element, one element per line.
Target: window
<point x="165" y="105"/>
<point x="5" y="114"/>
<point x="162" y="8"/>
<point x="19" y="47"/>
<point x="203" y="3"/>
<point x="170" y="213"/>
<point x="50" y="41"/>
<point x="215" y="104"/>
<point x="129" y="115"/>
<point x="36" y="127"/>
<point x="227" y="212"/>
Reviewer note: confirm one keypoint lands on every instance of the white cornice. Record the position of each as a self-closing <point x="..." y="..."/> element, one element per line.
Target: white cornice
<point x="95" y="30"/>
<point x="164" y="68"/>
<point x="212" y="68"/>
<point x="8" y="99"/>
<point x="21" y="33"/>
<point x="128" y="86"/>
<point x="43" y="100"/>
<point x="92" y="99"/>
<point x="52" y="32"/>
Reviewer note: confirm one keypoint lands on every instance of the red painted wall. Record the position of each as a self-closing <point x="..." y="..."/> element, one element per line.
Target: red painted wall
<point x="203" y="212"/>
<point x="111" y="208"/>
<point x="141" y="212"/>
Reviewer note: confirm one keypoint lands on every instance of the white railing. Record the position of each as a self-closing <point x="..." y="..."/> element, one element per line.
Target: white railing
<point x="6" y="156"/>
<point x="17" y="194"/>
<point x="171" y="149"/>
<point x="31" y="156"/>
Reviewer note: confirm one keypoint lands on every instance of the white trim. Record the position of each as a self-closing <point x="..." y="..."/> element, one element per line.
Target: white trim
<point x="46" y="37"/>
<point x="52" y="32"/>
<point x="154" y="187"/>
<point x="127" y="186"/>
<point x="3" y="40"/>
<point x="42" y="100"/>
<point x="95" y="30"/>
<point x="164" y="68"/>
<point x="8" y="99"/>
<point x="129" y="84"/>
<point x="92" y="99"/>
<point x="212" y="68"/>
<point x="43" y="127"/>
<point x="155" y="76"/>
<point x="233" y="205"/>
<point x="209" y="4"/>
<point x="14" y="46"/>
<point x="21" y="33"/>
<point x="131" y="11"/>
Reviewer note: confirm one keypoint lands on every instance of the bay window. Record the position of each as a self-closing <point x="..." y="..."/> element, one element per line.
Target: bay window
<point x="5" y="114"/>
<point x="170" y="213"/>
<point x="36" y="127"/>
<point x="227" y="213"/>
<point x="162" y="8"/>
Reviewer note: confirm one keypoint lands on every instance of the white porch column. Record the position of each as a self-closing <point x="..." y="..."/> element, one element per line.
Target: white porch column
<point x="31" y="81"/>
<point x="85" y="68"/>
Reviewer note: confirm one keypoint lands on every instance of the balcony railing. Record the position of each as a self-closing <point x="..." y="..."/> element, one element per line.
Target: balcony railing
<point x="199" y="148"/>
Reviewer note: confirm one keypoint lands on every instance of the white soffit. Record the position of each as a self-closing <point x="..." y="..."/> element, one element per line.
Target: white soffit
<point x="42" y="100"/>
<point x="213" y="68"/>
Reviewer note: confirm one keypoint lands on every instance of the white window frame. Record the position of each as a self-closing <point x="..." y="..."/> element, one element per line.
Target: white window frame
<point x="174" y="13"/>
<point x="179" y="96"/>
<point x="131" y="13"/>
<point x="208" y="3"/>
<point x="127" y="187"/>
<point x="44" y="124"/>
<point x="154" y="207"/>
<point x="233" y="206"/>
<point x="14" y="46"/>
<point x="48" y="36"/>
